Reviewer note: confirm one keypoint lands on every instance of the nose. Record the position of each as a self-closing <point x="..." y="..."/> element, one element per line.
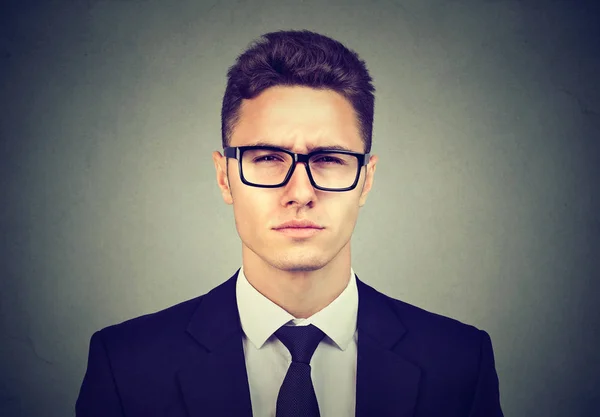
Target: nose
<point x="299" y="188"/>
<point x="300" y="174"/>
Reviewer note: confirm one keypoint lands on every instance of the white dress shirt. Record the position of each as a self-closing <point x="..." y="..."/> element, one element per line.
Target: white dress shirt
<point x="267" y="359"/>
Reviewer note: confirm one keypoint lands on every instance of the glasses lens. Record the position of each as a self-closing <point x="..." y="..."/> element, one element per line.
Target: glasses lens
<point x="329" y="169"/>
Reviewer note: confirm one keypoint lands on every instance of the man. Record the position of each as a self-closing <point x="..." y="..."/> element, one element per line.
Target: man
<point x="293" y="332"/>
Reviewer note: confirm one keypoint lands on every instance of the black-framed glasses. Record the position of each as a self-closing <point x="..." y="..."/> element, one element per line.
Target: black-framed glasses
<point x="272" y="167"/>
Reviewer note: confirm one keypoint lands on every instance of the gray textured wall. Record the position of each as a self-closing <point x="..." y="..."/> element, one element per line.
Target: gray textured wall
<point x="485" y="205"/>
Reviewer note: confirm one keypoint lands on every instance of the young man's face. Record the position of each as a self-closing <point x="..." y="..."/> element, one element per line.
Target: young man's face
<point x="297" y="119"/>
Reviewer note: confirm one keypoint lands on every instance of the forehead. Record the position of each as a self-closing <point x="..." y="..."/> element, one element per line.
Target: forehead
<point x="298" y="118"/>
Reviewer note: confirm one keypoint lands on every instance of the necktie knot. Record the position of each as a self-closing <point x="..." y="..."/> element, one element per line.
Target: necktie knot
<point x="301" y="341"/>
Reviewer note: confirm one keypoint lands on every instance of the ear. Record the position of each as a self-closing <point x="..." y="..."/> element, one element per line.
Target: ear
<point x="371" y="166"/>
<point x="222" y="176"/>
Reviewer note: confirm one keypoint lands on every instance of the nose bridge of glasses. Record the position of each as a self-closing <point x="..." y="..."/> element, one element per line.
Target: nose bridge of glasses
<point x="300" y="158"/>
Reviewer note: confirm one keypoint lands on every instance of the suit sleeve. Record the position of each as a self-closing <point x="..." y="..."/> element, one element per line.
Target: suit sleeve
<point x="486" y="401"/>
<point x="98" y="395"/>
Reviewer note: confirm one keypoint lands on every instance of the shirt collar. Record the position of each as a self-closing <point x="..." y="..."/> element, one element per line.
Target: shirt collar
<point x="261" y="317"/>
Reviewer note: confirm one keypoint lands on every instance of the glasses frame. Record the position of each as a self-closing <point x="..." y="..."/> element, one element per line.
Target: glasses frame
<point x="236" y="152"/>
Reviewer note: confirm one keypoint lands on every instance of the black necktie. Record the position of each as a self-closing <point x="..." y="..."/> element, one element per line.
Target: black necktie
<point x="297" y="396"/>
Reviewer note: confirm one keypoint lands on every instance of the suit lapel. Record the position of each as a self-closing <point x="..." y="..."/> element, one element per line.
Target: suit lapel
<point x="387" y="384"/>
<point x="216" y="384"/>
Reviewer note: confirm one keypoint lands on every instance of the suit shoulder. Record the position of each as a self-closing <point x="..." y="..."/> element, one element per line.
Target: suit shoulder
<point x="433" y="339"/>
<point x="160" y="324"/>
<point x="434" y="325"/>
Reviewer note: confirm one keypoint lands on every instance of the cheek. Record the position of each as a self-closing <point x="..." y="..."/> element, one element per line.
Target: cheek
<point x="350" y="217"/>
<point x="251" y="210"/>
<point x="342" y="212"/>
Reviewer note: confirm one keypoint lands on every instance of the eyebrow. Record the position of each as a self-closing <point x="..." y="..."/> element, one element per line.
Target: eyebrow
<point x="310" y="149"/>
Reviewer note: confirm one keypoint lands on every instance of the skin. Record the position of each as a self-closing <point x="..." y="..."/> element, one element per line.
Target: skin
<point x="300" y="275"/>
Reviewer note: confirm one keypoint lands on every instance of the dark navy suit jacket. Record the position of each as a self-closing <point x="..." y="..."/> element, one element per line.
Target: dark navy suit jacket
<point x="188" y="360"/>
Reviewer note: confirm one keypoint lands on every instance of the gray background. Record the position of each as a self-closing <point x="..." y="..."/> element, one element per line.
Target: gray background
<point x="485" y="204"/>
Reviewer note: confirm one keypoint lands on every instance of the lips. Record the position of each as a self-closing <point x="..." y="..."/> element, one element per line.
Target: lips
<point x="299" y="232"/>
<point x="298" y="224"/>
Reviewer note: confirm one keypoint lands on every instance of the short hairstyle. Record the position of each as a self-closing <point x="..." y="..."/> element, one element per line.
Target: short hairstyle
<point x="299" y="58"/>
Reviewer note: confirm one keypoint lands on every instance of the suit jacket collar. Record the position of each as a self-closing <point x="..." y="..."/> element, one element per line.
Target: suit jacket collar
<point x="216" y="384"/>
<point x="261" y="317"/>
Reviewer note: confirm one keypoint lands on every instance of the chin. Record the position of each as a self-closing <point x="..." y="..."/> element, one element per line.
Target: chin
<point x="300" y="263"/>
<point x="301" y="268"/>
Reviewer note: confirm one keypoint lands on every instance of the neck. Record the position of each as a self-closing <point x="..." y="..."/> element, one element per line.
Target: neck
<point x="300" y="293"/>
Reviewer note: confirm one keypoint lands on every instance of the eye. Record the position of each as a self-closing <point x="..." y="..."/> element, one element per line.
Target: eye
<point x="267" y="158"/>
<point x="325" y="159"/>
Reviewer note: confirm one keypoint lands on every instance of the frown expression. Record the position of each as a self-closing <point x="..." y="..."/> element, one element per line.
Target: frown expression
<point x="297" y="119"/>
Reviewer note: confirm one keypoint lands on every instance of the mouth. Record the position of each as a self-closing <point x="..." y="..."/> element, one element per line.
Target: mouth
<point x="299" y="232"/>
